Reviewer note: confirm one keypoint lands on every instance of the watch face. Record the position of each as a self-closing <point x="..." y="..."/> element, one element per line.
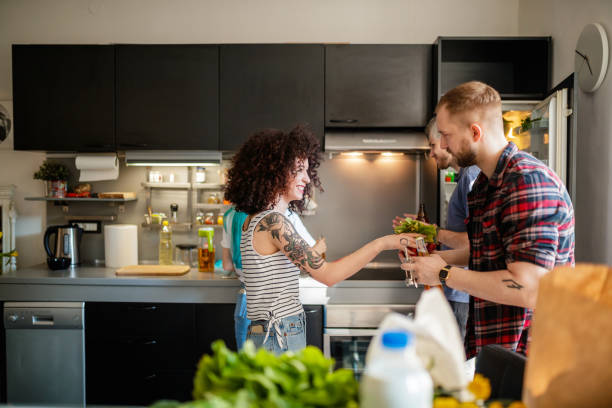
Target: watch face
<point x="443" y="274"/>
<point x="591" y="57"/>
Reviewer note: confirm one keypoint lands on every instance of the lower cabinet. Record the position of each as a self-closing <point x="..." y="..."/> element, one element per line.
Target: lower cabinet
<point x="138" y="353"/>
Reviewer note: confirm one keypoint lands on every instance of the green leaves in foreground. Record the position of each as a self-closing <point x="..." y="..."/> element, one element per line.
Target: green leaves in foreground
<point x="256" y="378"/>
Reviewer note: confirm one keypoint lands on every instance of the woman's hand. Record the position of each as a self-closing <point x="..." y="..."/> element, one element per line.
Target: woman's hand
<point x="399" y="241"/>
<point x="398" y="220"/>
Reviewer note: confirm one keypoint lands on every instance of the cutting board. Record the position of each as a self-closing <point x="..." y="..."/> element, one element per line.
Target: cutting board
<point x="153" y="270"/>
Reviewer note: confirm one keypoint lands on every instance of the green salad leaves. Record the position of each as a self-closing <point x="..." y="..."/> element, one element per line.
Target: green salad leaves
<point x="409" y="225"/>
<point x="254" y="378"/>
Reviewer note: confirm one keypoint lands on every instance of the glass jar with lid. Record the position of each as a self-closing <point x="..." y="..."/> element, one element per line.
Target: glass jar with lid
<point x="209" y="218"/>
<point x="200" y="175"/>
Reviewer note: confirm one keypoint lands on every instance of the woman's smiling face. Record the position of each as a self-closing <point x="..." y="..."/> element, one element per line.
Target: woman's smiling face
<point x="297" y="184"/>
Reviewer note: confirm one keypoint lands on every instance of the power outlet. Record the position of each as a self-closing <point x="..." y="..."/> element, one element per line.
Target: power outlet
<point x="89" y="227"/>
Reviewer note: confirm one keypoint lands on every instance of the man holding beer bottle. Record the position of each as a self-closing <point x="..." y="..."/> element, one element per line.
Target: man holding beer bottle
<point x="520" y="224"/>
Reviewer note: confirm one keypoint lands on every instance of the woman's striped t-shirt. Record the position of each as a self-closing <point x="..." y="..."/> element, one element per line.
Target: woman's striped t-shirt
<point x="271" y="281"/>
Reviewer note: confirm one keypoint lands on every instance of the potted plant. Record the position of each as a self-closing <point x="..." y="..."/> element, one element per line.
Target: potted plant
<point x="55" y="175"/>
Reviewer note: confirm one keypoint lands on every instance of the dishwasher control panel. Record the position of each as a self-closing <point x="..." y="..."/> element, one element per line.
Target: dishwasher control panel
<point x="57" y="315"/>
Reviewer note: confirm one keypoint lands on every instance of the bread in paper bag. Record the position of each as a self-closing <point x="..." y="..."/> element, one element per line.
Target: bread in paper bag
<point x="569" y="360"/>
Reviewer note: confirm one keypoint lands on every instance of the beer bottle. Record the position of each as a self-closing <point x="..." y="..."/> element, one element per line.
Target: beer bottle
<point x="422" y="215"/>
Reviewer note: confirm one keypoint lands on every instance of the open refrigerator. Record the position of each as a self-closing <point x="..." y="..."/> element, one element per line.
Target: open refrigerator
<point x="542" y="128"/>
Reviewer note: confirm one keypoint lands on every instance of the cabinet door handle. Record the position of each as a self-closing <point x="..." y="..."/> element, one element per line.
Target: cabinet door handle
<point x="149" y="342"/>
<point x="343" y="120"/>
<point x="143" y="308"/>
<point x="150" y="377"/>
<point x="134" y="145"/>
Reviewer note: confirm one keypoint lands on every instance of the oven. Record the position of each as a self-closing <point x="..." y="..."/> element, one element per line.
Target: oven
<point x="349" y="330"/>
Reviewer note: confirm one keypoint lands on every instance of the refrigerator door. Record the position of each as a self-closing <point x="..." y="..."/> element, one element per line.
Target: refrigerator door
<point x="548" y="132"/>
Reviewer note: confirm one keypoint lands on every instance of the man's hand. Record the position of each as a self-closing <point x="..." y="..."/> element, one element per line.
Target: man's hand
<point x="398" y="220"/>
<point x="425" y="269"/>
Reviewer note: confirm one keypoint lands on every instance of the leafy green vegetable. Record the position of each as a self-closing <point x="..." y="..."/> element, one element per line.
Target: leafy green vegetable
<point x="409" y="225"/>
<point x="256" y="379"/>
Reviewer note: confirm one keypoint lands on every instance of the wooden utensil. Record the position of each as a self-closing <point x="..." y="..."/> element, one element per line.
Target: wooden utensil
<point x="153" y="270"/>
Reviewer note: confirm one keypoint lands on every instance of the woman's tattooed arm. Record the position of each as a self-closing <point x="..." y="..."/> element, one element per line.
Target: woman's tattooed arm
<point x="292" y="244"/>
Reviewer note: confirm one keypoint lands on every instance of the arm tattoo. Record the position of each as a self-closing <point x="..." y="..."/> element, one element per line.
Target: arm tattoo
<point x="297" y="249"/>
<point x="513" y="284"/>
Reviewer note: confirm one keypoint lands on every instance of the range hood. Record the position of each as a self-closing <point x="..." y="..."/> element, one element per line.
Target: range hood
<point x="375" y="140"/>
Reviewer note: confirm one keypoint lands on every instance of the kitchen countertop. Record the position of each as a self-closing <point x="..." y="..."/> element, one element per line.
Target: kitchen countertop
<point x="100" y="284"/>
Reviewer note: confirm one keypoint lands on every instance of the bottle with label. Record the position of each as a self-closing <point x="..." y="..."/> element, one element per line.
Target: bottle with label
<point x="165" y="244"/>
<point x="396" y="378"/>
<point x="422" y="215"/>
<point x="206" y="250"/>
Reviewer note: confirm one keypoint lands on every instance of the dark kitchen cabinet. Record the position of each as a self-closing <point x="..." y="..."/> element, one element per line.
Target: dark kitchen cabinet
<point x="63" y="97"/>
<point x="517" y="67"/>
<point x="167" y="97"/>
<point x="378" y="85"/>
<point x="269" y="86"/>
<point x="137" y="353"/>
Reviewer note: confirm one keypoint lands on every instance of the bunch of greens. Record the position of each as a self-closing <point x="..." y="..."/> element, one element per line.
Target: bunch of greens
<point x="409" y="225"/>
<point x="256" y="378"/>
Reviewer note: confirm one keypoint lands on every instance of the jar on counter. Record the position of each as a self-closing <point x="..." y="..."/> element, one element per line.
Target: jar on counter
<point x="220" y="218"/>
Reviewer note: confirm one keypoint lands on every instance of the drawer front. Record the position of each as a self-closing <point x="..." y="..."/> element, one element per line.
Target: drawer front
<point x="139" y="387"/>
<point x="153" y="352"/>
<point x="110" y="319"/>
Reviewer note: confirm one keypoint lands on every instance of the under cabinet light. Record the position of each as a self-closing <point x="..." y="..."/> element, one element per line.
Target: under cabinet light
<point x="174" y="158"/>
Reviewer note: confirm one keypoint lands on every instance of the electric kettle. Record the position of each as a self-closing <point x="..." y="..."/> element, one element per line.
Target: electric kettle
<point x="66" y="244"/>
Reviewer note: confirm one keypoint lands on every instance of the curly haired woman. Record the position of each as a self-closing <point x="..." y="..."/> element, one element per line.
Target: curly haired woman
<point x="271" y="172"/>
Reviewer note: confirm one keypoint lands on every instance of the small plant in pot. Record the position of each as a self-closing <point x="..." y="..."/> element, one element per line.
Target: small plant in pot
<point x="55" y="175"/>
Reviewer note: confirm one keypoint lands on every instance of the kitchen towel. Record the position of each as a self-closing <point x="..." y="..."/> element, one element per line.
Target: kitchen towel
<point x="98" y="167"/>
<point x="120" y="245"/>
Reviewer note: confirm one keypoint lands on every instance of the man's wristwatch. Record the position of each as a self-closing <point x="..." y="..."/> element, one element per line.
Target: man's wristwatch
<point x="443" y="275"/>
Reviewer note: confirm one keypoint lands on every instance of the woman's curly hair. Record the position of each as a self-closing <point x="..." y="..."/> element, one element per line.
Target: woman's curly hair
<point x="264" y="166"/>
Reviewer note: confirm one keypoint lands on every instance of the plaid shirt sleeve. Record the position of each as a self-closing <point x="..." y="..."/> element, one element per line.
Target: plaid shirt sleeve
<point x="530" y="218"/>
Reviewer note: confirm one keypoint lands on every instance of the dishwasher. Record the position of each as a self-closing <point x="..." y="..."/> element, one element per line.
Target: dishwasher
<point x="45" y="353"/>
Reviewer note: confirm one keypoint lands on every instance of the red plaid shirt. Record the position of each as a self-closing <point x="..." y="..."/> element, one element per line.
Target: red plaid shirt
<point x="523" y="213"/>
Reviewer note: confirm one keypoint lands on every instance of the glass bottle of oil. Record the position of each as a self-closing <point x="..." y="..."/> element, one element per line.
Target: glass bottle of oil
<point x="165" y="244"/>
<point x="206" y="250"/>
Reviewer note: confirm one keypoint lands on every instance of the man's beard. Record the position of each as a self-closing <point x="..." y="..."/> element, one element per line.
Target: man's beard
<point x="466" y="157"/>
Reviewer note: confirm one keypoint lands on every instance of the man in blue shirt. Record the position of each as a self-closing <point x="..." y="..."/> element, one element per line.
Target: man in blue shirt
<point x="455" y="234"/>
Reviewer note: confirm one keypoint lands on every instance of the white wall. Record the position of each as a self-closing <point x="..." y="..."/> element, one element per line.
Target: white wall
<point x="218" y="21"/>
<point x="564" y="20"/>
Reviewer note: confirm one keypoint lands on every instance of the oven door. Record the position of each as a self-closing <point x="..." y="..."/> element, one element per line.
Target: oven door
<point x="348" y="347"/>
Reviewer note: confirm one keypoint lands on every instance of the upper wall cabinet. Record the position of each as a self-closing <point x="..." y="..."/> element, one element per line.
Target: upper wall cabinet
<point x="63" y="97"/>
<point x="518" y="67"/>
<point x="270" y="86"/>
<point x="167" y="97"/>
<point x="378" y="85"/>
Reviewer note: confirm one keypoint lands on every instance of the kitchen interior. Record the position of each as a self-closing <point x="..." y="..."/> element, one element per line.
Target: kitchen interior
<point x="97" y="89"/>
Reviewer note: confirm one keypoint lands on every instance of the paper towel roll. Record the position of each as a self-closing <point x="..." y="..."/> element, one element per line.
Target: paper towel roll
<point x="96" y="168"/>
<point x="120" y="245"/>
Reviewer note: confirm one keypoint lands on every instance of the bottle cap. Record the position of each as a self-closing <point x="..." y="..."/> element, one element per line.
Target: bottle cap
<point x="396" y="339"/>
<point x="174" y="207"/>
<point x="165" y="222"/>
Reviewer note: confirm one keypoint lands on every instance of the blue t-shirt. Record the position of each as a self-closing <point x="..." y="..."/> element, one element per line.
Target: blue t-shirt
<point x="456" y="215"/>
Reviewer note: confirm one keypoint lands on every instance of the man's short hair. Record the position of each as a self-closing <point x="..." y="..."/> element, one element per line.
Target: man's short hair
<point x="431" y="127"/>
<point x="469" y="96"/>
